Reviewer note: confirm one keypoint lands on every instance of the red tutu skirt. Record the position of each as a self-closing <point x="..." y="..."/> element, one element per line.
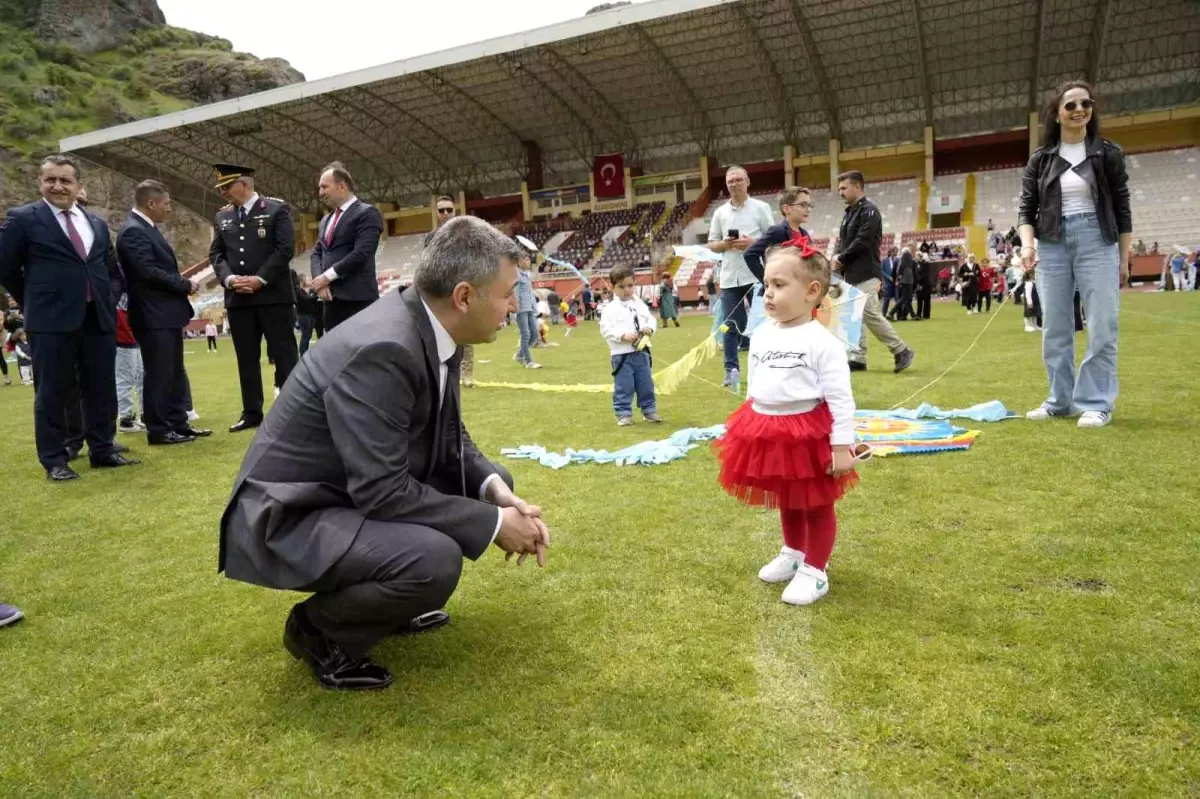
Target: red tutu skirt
<point x="780" y="461"/>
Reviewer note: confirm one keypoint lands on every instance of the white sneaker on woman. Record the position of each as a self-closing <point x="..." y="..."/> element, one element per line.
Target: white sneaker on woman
<point x="1095" y="418"/>
<point x="809" y="585"/>
<point x="783" y="567"/>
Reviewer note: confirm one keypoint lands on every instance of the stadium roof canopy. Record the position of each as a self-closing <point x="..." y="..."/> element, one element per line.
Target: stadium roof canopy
<point x="666" y="81"/>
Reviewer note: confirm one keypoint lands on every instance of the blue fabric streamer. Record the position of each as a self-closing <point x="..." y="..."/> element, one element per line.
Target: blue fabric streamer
<point x="993" y="411"/>
<point x="647" y="453"/>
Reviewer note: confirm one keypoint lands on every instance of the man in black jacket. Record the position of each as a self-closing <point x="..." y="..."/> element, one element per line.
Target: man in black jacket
<point x="343" y="260"/>
<point x="250" y="252"/>
<point x="158" y="312"/>
<point x="858" y="261"/>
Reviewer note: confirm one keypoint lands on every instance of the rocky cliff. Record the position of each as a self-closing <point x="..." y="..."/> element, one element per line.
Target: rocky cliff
<point x="92" y="25"/>
<point x="71" y="66"/>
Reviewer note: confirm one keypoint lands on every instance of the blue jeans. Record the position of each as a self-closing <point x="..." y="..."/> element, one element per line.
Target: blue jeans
<point x="527" y="329"/>
<point x="632" y="375"/>
<point x="733" y="314"/>
<point x="1081" y="260"/>
<point x="305" y="323"/>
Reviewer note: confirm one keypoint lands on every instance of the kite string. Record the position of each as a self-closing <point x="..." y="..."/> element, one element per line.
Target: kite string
<point x="994" y="315"/>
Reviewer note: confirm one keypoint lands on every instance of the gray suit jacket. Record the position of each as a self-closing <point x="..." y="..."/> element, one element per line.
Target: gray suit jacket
<point x="356" y="434"/>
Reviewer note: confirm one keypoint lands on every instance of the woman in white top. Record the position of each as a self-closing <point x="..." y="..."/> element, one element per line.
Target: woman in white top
<point x="1075" y="202"/>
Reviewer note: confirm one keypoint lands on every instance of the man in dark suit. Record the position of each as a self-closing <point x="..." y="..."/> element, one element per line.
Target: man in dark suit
<point x="343" y="259"/>
<point x="363" y="486"/>
<point x="250" y="254"/>
<point x="158" y="312"/>
<point x="58" y="262"/>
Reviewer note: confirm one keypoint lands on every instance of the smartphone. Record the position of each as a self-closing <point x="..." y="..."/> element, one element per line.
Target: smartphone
<point x="733" y="234"/>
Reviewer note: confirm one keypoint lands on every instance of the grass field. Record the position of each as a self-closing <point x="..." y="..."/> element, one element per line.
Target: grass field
<point x="1022" y="619"/>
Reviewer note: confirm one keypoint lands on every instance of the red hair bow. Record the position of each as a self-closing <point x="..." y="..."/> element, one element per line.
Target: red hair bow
<point x="802" y="243"/>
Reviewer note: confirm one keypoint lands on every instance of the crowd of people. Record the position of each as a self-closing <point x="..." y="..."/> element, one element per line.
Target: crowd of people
<point x="362" y="487"/>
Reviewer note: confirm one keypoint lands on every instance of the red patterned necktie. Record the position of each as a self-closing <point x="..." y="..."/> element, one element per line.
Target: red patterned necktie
<point x="329" y="230"/>
<point x="77" y="243"/>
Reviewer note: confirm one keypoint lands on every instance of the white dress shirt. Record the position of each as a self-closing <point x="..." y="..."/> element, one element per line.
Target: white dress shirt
<point x="79" y="219"/>
<point x="149" y="221"/>
<point x="247" y="206"/>
<point x="331" y="273"/>
<point x="750" y="219"/>
<point x="446" y="347"/>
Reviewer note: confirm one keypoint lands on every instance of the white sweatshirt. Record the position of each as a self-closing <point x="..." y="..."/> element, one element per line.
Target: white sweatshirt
<point x="620" y="317"/>
<point x="793" y="368"/>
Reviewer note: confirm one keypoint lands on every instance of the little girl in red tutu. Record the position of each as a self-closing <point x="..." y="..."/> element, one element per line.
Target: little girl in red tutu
<point x="790" y="446"/>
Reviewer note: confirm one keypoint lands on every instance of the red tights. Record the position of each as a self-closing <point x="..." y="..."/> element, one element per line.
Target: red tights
<point x="811" y="531"/>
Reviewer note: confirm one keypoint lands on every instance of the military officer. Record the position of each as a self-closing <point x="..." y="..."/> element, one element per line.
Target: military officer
<point x="250" y="254"/>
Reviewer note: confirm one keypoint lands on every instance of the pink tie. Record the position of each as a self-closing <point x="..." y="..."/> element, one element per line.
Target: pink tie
<point x="329" y="231"/>
<point x="77" y="243"/>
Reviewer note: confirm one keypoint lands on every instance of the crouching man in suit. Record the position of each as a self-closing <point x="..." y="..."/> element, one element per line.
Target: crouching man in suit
<point x="363" y="487"/>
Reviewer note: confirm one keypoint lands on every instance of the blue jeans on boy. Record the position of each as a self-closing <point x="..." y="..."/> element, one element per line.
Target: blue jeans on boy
<point x="632" y="375"/>
<point x="1080" y="260"/>
<point x="733" y="314"/>
<point x="527" y="329"/>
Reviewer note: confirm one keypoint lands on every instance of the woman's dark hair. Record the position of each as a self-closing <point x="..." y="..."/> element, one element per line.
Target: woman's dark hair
<point x="1050" y="127"/>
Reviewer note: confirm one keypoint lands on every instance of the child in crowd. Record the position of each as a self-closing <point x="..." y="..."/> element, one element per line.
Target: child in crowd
<point x="570" y="314"/>
<point x="210" y="332"/>
<point x="791" y="445"/>
<point x="627" y="324"/>
<point x="24" y="356"/>
<point x="1026" y="293"/>
<point x="543" y="331"/>
<point x="129" y="374"/>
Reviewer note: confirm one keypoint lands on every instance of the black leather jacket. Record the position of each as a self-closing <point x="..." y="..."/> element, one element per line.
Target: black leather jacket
<point x="1041" y="194"/>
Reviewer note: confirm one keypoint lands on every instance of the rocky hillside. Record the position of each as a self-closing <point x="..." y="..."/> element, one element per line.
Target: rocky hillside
<point x="71" y="66"/>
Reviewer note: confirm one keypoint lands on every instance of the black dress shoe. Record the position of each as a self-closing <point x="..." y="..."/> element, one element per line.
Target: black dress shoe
<point x="166" y="439"/>
<point x="118" y="448"/>
<point x="333" y="668"/>
<point x="113" y="461"/>
<point x="194" y="432"/>
<point x="423" y="623"/>
<point x="60" y="474"/>
<point x="858" y="366"/>
<point x="245" y="423"/>
<point x="904" y="360"/>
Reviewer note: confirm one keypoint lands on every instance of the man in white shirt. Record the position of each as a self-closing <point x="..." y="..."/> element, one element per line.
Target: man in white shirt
<point x="735" y="226"/>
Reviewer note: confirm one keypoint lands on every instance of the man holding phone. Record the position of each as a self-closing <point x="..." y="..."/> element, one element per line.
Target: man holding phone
<point x="735" y="226"/>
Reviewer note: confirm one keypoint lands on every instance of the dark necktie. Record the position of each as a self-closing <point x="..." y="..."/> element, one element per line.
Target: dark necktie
<point x="77" y="243"/>
<point x="241" y="214"/>
<point x="450" y="418"/>
<point x="332" y="224"/>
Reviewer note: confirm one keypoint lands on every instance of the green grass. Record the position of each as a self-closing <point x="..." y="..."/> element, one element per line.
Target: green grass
<point x="1022" y="619"/>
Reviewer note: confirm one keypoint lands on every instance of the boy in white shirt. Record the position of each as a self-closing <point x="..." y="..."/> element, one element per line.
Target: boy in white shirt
<point x="627" y="324"/>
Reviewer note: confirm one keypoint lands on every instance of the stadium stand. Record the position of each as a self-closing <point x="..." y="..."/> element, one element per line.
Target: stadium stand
<point x="1164" y="194"/>
<point x="997" y="197"/>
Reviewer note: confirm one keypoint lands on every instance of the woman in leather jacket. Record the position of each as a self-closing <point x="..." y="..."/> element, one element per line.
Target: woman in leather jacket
<point x="1075" y="202"/>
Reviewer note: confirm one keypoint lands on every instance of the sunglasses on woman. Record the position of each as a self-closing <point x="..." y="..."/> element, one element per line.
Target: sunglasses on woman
<point x="1086" y="105"/>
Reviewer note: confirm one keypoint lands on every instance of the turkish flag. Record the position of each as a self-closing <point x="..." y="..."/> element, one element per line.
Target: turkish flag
<point x="608" y="173"/>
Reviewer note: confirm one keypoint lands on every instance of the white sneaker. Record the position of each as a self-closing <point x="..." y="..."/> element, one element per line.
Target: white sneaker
<point x="1042" y="413"/>
<point x="1094" y="418"/>
<point x="809" y="585"/>
<point x="192" y="416"/>
<point x="533" y="365"/>
<point x="783" y="567"/>
<point x="131" y="426"/>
